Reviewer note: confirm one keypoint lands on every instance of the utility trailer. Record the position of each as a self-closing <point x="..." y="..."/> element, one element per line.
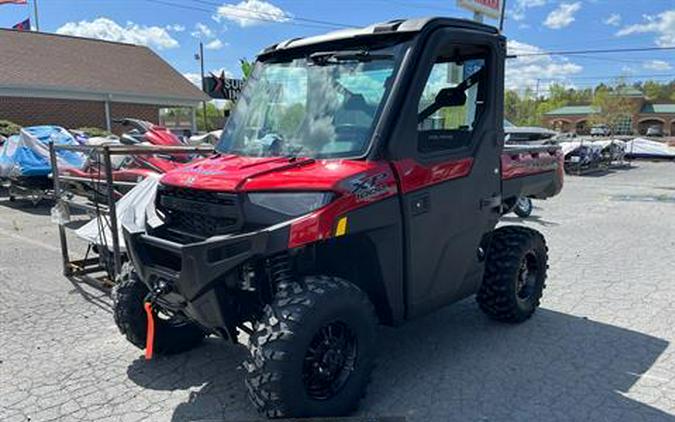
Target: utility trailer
<point x="358" y="181"/>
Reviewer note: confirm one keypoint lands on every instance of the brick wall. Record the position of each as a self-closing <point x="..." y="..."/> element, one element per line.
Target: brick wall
<point x="666" y="121"/>
<point x="39" y="111"/>
<point x="70" y="113"/>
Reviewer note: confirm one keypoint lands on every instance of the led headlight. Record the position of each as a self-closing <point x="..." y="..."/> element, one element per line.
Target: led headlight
<point x="291" y="203"/>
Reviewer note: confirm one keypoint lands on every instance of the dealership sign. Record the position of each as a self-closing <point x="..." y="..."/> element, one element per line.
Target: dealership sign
<point x="223" y="88"/>
<point x="491" y="8"/>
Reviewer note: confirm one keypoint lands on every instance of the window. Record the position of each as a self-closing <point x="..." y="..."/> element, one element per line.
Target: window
<point x="450" y="104"/>
<point x="322" y="106"/>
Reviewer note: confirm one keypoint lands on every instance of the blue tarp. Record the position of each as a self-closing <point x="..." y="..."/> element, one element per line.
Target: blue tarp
<point x="27" y="154"/>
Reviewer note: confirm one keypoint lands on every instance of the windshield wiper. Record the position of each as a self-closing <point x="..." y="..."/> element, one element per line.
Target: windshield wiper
<point x="322" y="58"/>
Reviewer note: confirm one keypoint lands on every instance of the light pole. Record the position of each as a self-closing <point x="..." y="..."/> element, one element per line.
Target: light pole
<point x="501" y="18"/>
<point x="200" y="57"/>
<point x="37" y="19"/>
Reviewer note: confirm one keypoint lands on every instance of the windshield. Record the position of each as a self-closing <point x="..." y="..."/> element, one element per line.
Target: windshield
<point x="321" y="106"/>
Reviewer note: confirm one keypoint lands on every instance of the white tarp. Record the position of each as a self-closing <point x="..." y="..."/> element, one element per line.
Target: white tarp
<point x="570" y="146"/>
<point x="130" y="208"/>
<point x="206" y="138"/>
<point x="607" y="142"/>
<point x="641" y="147"/>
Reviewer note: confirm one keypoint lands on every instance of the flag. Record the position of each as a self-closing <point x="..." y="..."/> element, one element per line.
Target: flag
<point x="13" y="1"/>
<point x="22" y="26"/>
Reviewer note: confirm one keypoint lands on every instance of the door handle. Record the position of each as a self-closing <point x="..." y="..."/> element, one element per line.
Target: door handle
<point x="420" y="204"/>
<point x="491" y="202"/>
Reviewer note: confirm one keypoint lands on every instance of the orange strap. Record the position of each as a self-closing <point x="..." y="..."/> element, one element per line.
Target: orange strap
<point x="150" y="337"/>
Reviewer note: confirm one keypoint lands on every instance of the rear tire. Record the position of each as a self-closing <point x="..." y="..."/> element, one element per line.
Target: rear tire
<point x="171" y="336"/>
<point x="515" y="273"/>
<point x="523" y="207"/>
<point x="312" y="350"/>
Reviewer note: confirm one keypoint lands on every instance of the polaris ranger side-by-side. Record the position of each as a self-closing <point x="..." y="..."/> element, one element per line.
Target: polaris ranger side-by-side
<point x="358" y="181"/>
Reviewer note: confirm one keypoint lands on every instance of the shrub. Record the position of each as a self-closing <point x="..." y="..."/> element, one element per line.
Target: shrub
<point x="94" y="132"/>
<point x="8" y="128"/>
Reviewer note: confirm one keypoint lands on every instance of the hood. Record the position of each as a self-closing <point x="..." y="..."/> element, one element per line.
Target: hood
<point x="233" y="173"/>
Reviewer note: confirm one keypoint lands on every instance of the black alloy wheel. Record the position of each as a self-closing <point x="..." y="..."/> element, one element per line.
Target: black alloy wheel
<point x="329" y="360"/>
<point x="312" y="350"/>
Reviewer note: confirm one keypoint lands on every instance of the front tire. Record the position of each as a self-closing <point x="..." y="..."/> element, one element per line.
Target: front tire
<point x="171" y="335"/>
<point x="515" y="273"/>
<point x="312" y="351"/>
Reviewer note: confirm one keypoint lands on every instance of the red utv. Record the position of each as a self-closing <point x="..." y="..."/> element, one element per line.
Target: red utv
<point x="358" y="182"/>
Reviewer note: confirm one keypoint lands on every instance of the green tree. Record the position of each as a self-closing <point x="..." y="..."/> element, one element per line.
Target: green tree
<point x="246" y="67"/>
<point x="654" y="90"/>
<point x="613" y="108"/>
<point x="214" y="117"/>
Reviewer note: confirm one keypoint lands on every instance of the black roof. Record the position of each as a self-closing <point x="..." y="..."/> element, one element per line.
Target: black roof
<point x="397" y="26"/>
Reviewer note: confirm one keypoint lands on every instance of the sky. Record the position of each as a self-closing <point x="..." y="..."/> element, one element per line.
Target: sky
<point x="237" y="29"/>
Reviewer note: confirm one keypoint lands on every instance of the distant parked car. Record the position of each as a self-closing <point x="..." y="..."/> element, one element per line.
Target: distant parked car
<point x="600" y="130"/>
<point x="656" y="131"/>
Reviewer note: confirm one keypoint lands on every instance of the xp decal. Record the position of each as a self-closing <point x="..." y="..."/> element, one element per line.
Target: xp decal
<point x="369" y="187"/>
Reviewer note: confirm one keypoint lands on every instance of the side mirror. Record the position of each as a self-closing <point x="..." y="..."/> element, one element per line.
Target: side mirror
<point x="446" y="97"/>
<point x="450" y="97"/>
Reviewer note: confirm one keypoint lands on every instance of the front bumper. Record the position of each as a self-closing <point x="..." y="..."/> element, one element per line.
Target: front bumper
<point x="183" y="277"/>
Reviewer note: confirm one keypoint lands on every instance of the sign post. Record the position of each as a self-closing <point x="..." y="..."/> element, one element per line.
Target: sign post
<point x="37" y="19"/>
<point x="491" y="8"/>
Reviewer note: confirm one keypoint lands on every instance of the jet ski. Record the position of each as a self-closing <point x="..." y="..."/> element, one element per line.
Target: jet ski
<point x="25" y="164"/>
<point x="130" y="169"/>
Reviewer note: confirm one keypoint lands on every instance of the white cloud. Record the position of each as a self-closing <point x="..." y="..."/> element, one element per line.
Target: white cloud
<point x="175" y="28"/>
<point x="202" y="31"/>
<point x="663" y="25"/>
<point x="659" y="65"/>
<point x="612" y="20"/>
<point x="220" y="71"/>
<point x="562" y="16"/>
<point x="529" y="71"/>
<point x="251" y="12"/>
<point x="518" y="11"/>
<point x="195" y="78"/>
<point x="215" y="44"/>
<point x="107" y="29"/>
<point x="628" y="70"/>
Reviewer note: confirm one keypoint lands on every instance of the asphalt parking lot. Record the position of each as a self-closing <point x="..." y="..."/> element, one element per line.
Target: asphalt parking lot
<point x="600" y="348"/>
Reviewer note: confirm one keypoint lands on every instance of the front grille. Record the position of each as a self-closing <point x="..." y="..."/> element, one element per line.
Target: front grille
<point x="198" y="212"/>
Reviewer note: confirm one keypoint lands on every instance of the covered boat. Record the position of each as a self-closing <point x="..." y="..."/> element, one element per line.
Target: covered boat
<point x="24" y="158"/>
<point x="644" y="148"/>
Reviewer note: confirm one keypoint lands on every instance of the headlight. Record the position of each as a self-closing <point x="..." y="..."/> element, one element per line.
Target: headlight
<point x="292" y="203"/>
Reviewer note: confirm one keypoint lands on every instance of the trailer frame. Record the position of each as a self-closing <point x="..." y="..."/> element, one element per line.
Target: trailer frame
<point x="85" y="268"/>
